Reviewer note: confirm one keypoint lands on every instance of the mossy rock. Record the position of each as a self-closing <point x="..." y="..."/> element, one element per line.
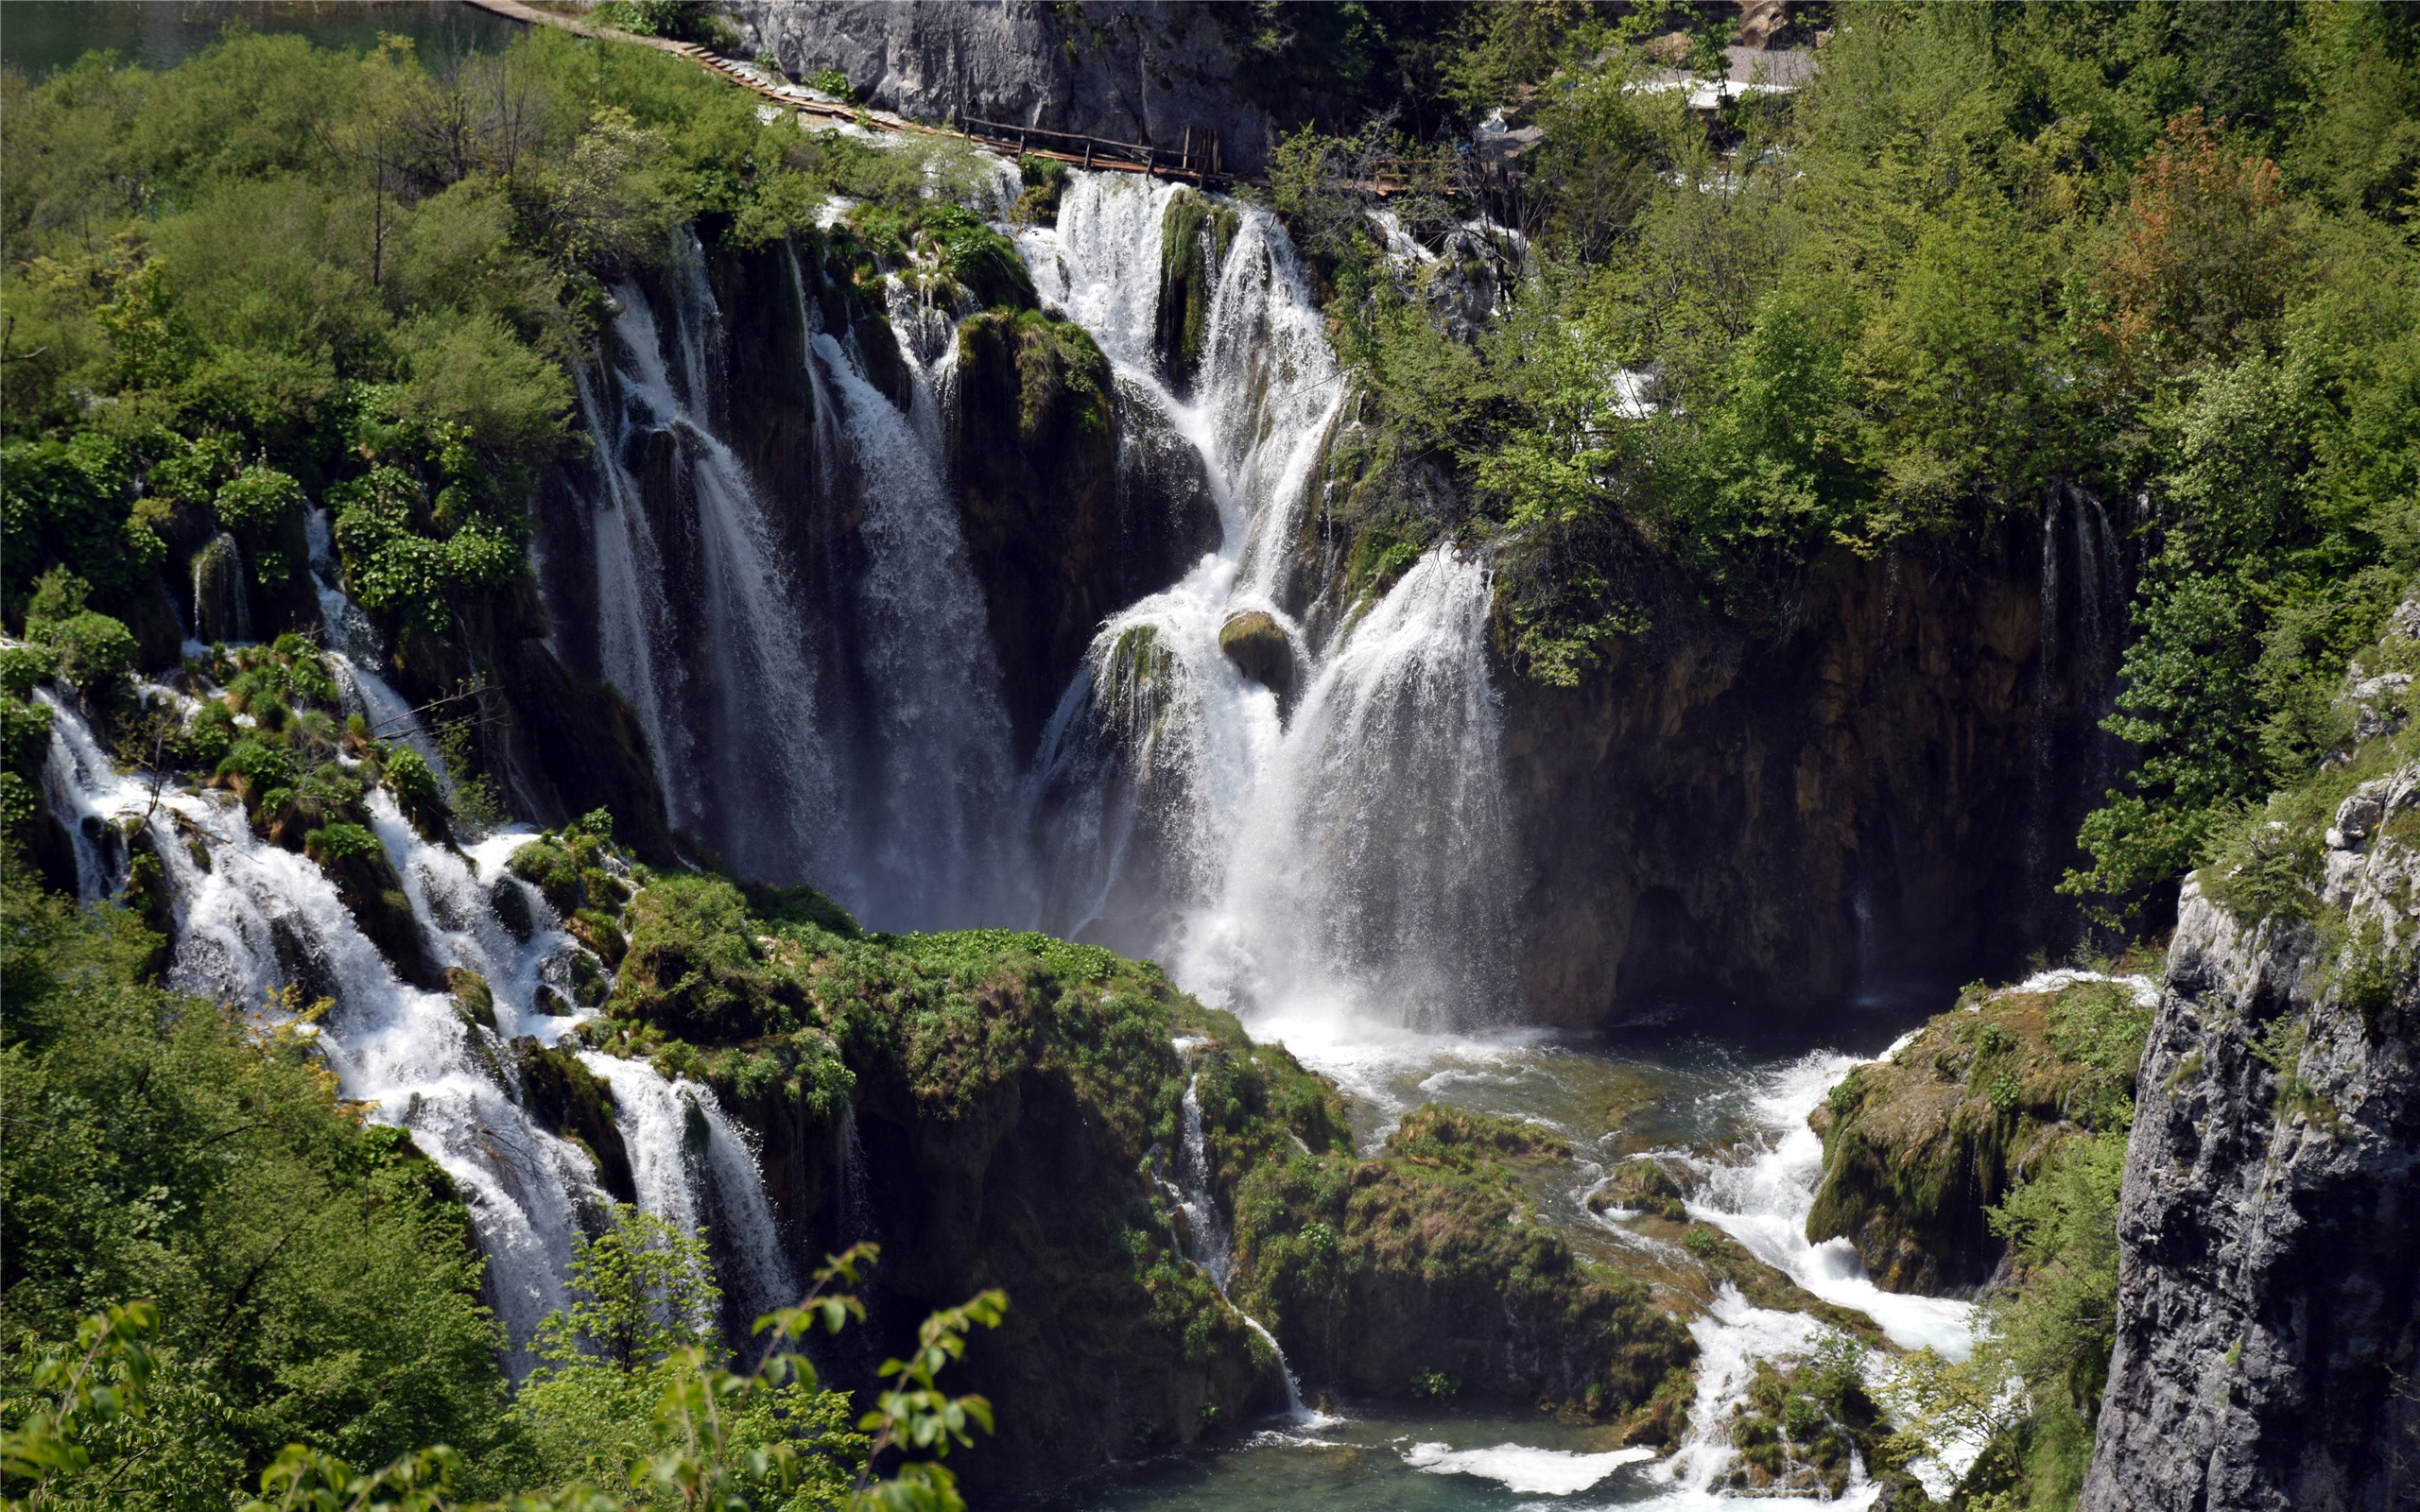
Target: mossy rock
<point x="799" y="905"/>
<point x="551" y="869"/>
<point x="1195" y="236"/>
<point x="474" y="1000"/>
<point x="1917" y="1148"/>
<point x="1641" y="1185"/>
<point x="569" y="1099"/>
<point x="1256" y="643"/>
<point x="601" y="931"/>
<point x="697" y="965"/>
<point x="1458" y="1139"/>
<point x="367" y="883"/>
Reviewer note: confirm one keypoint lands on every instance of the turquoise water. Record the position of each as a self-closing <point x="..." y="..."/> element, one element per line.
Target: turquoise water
<point x="1730" y="1115"/>
<point x="43" y="35"/>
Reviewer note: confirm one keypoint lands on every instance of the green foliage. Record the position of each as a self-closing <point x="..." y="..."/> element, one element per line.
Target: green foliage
<point x="1987" y="257"/>
<point x="257" y="499"/>
<point x="831" y="81"/>
<point x="92" y="651"/>
<point x="326" y="1287"/>
<point x="71" y="504"/>
<point x="647" y="1290"/>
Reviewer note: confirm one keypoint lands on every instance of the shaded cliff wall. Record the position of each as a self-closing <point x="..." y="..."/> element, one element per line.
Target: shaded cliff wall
<point x="1841" y="808"/>
<point x="1029" y="1192"/>
<point x="2268" y="1315"/>
<point x="1870" y="802"/>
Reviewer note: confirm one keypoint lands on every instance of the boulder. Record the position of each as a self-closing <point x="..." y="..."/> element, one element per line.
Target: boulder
<point x="1256" y="643"/>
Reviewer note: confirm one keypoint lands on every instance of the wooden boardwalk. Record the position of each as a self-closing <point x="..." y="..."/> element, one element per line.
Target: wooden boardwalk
<point x="1197" y="161"/>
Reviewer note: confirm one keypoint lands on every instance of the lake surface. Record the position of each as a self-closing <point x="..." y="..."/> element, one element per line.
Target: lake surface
<point x="1729" y="1116"/>
<point x="42" y="37"/>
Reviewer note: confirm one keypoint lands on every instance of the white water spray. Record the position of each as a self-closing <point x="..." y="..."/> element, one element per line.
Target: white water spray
<point x="1349" y="859"/>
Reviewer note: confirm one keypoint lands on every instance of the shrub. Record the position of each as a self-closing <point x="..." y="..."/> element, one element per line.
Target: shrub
<point x="258" y="499"/>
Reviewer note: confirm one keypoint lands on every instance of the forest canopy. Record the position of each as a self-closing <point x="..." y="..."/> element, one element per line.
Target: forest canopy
<point x="2153" y="261"/>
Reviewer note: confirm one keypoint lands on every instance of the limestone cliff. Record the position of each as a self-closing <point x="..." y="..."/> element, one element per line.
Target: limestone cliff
<point x="2269" y="1321"/>
<point x="1122" y="72"/>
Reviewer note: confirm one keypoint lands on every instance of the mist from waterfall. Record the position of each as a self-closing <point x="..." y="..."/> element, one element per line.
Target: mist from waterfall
<point x="1345" y="856"/>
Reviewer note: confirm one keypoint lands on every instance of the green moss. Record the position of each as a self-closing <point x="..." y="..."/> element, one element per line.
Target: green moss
<point x="1642" y="1185"/>
<point x="696" y="968"/>
<point x="950" y="243"/>
<point x="1915" y="1150"/>
<point x="1195" y="236"/>
<point x="1383" y="1271"/>
<point x="1799" y="1429"/>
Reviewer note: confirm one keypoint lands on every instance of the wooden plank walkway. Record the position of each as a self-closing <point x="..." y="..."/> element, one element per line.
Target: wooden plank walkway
<point x="1197" y="162"/>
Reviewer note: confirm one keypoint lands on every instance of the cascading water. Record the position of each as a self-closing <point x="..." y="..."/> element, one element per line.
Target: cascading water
<point x="249" y="918"/>
<point x="1208" y="1242"/>
<point x="698" y="624"/>
<point x="930" y="848"/>
<point x="1349" y="858"/>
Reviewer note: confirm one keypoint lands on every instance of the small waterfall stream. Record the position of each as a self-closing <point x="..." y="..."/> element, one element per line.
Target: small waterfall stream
<point x="1208" y="1241"/>
<point x="249" y="918"/>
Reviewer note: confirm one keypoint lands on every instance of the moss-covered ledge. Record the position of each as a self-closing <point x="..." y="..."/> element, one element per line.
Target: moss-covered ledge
<point x="1917" y="1147"/>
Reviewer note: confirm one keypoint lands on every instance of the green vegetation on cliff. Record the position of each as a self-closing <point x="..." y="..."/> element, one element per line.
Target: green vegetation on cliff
<point x="1429" y="1270"/>
<point x="1991" y="1147"/>
<point x="280" y="274"/>
<point x="1917" y="1147"/>
<point x="1991" y="262"/>
<point x="322" y="1282"/>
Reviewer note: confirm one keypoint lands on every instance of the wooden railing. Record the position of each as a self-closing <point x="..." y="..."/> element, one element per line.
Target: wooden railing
<point x="1197" y="158"/>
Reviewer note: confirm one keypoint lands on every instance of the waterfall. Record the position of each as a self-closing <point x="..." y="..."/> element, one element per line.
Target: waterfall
<point x="931" y="850"/>
<point x="699" y="624"/>
<point x="1351" y="855"/>
<point x="691" y="1166"/>
<point x="249" y="918"/>
<point x="1208" y="1242"/>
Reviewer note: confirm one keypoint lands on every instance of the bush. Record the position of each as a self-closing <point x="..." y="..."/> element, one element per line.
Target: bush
<point x="93" y="651"/>
<point x="257" y="499"/>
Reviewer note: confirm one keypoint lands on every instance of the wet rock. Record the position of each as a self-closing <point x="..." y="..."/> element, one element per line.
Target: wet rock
<point x="472" y="997"/>
<point x="569" y="1099"/>
<point x="1256" y="643"/>
<point x="1642" y="1186"/>
<point x="221" y="600"/>
<point x="1056" y="537"/>
<point x="1195" y="233"/>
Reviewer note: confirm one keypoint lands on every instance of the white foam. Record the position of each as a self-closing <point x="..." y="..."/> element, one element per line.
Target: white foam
<point x="2146" y="990"/>
<point x="1763" y="1202"/>
<point x="1520" y="1468"/>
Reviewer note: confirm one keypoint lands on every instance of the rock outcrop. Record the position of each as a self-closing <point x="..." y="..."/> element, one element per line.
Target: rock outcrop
<point x="1120" y="71"/>
<point x="2269" y="1319"/>
<point x="1916" y="1148"/>
<point x="1845" y="807"/>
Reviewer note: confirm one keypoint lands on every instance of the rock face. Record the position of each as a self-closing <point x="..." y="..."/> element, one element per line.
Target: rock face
<point x="1121" y="72"/>
<point x="1065" y="521"/>
<point x="1713" y="819"/>
<point x="1868" y="799"/>
<point x="1918" y="1146"/>
<point x="2267" y="1333"/>
<point x="1257" y="644"/>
